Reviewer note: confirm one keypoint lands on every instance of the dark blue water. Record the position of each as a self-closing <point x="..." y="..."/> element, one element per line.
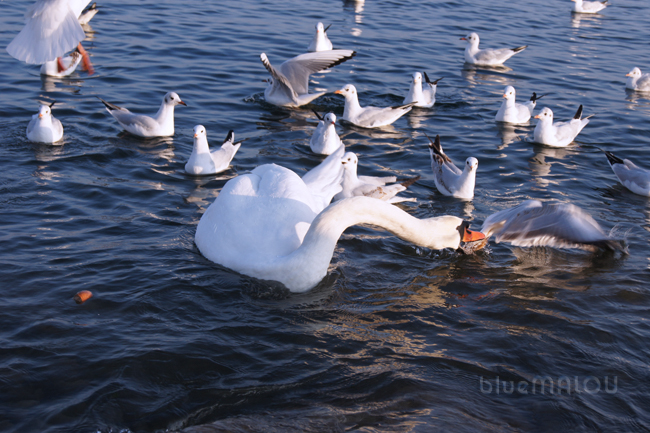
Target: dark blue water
<point x="395" y="338"/>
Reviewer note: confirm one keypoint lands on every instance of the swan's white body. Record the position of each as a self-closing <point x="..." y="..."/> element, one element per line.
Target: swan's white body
<point x="161" y="125"/>
<point x="51" y="68"/>
<point x="560" y="225"/>
<point x="320" y="42"/>
<point x="325" y="140"/>
<point x="266" y="225"/>
<point x="559" y="134"/>
<point x="633" y="177"/>
<point x="368" y="186"/>
<point x="488" y="56"/>
<point x="202" y="161"/>
<point x="423" y="96"/>
<point x="638" y="81"/>
<point x="449" y="179"/>
<point x="51" y="29"/>
<point x="289" y="84"/>
<point x="369" y="117"/>
<point x="44" y="128"/>
<point x="512" y="112"/>
<point x="589" y="7"/>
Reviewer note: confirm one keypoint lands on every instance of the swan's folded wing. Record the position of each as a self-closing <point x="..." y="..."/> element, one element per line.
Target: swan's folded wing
<point x="324" y="180"/>
<point x="298" y="69"/>
<point x="558" y="225"/>
<point x="51" y="29"/>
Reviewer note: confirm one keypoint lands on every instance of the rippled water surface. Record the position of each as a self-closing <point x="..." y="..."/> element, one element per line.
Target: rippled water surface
<point x="396" y="338"/>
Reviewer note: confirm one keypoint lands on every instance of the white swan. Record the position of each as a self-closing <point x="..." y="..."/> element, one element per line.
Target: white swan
<point x="161" y="125"/>
<point x="488" y="56"/>
<point x="320" y="42"/>
<point x="325" y="140"/>
<point x="202" y="161"/>
<point x="267" y="225"/>
<point x="44" y="127"/>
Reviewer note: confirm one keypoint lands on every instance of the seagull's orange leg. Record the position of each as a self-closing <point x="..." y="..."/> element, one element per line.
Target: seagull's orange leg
<point x="85" y="58"/>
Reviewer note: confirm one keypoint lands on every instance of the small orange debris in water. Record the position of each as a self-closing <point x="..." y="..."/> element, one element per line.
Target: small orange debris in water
<point x="82" y="296"/>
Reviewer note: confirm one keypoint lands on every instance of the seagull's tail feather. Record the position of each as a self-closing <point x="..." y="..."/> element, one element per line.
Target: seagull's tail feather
<point x="436" y="147"/>
<point x="109" y="106"/>
<point x="578" y="114"/>
<point x="516" y="50"/>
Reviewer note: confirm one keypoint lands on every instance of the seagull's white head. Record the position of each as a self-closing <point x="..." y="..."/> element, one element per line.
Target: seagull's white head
<point x="509" y="92"/>
<point x="417" y="78"/>
<point x="350" y="161"/>
<point x="635" y="72"/>
<point x="472" y="39"/>
<point x="546" y="115"/>
<point x="173" y="99"/>
<point x="320" y="28"/>
<point x="471" y="164"/>
<point x="44" y="111"/>
<point x="330" y="118"/>
<point x="347" y="90"/>
<point x="199" y="131"/>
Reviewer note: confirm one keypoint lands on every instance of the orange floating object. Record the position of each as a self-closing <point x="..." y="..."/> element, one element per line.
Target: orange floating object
<point x="82" y="296"/>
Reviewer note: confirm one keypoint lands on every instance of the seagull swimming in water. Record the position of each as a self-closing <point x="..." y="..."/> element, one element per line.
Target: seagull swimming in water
<point x="449" y="179"/>
<point x="589" y="7"/>
<point x="202" y="161"/>
<point x="511" y="112"/>
<point x="369" y="117"/>
<point x="424" y="96"/>
<point x="559" y="134"/>
<point x="320" y="42"/>
<point x="487" y="56"/>
<point x="161" y="125"/>
<point x="633" y="177"/>
<point x="325" y="140"/>
<point x="44" y="127"/>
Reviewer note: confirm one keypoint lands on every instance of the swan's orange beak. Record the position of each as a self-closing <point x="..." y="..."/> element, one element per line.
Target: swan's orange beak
<point x="470" y="241"/>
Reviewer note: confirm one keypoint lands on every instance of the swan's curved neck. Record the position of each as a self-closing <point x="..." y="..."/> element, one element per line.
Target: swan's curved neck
<point x="315" y="253"/>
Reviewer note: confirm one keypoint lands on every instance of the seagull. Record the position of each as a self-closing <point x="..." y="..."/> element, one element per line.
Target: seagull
<point x="559" y="134"/>
<point x="634" y="178"/>
<point x="423" y="97"/>
<point x="560" y="225"/>
<point x="370" y="186"/>
<point x="488" y="56"/>
<point x="638" y="81"/>
<point x="449" y="179"/>
<point x="51" y="29"/>
<point x="589" y="7"/>
<point x="511" y="112"/>
<point x="325" y="139"/>
<point x="369" y="117"/>
<point x="289" y="84"/>
<point x="161" y="125"/>
<point x="44" y="128"/>
<point x="202" y="161"/>
<point x="320" y="42"/>
<point x="62" y="66"/>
